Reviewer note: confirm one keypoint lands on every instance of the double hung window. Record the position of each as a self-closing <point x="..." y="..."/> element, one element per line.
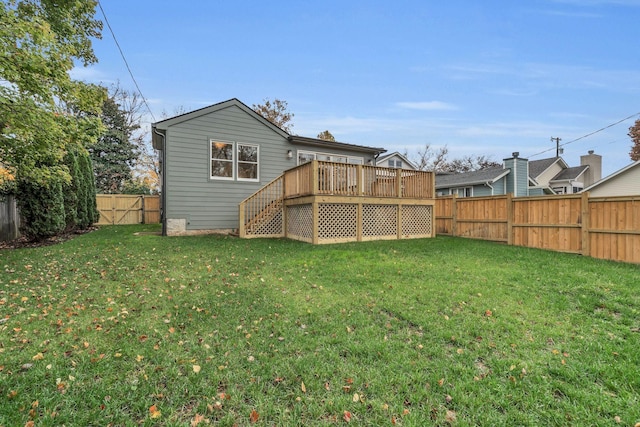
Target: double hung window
<point x="234" y="161"/>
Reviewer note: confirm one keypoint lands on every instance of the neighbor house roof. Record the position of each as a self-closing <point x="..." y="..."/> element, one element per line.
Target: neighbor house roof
<point x="381" y="159"/>
<point x="537" y="167"/>
<point x="489" y="175"/>
<point x="570" y="174"/>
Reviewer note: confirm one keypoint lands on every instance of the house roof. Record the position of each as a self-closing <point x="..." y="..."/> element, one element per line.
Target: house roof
<point x="166" y="123"/>
<point x="613" y="175"/>
<point x="489" y="175"/>
<point x="396" y="154"/>
<point x="537" y="167"/>
<point x="570" y="174"/>
<point x="303" y="140"/>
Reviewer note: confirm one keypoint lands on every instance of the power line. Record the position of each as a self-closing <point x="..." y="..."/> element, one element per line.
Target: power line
<point x="587" y="135"/>
<point x="144" y="100"/>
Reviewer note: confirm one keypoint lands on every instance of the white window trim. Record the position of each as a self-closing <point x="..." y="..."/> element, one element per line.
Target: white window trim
<point x="233" y="160"/>
<point x="257" y="163"/>
<point x="315" y="154"/>
<point x="456" y="191"/>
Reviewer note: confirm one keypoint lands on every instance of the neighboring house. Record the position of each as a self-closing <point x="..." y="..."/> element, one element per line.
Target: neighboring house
<point x="215" y="157"/>
<point x="624" y="182"/>
<point x="554" y="176"/>
<point x="522" y="177"/>
<point x="395" y="160"/>
<point x="485" y="182"/>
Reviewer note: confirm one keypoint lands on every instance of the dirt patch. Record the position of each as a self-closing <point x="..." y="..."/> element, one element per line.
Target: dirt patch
<point x="23" y="242"/>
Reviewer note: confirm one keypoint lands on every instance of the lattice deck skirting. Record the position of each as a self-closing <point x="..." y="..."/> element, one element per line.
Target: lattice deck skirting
<point x="330" y="219"/>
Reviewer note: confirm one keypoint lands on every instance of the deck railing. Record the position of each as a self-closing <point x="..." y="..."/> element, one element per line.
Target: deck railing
<point x="259" y="209"/>
<point x="342" y="179"/>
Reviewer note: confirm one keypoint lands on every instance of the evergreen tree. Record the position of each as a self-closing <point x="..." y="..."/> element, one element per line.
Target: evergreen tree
<point x="41" y="208"/>
<point x="71" y="191"/>
<point x="114" y="154"/>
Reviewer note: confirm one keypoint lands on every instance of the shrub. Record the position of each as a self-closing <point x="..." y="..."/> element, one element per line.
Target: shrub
<point x="41" y="207"/>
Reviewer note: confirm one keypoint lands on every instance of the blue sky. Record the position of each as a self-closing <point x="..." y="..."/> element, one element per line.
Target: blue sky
<point x="481" y="77"/>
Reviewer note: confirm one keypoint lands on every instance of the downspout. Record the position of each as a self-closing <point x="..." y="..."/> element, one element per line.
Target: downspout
<point x="163" y="198"/>
<point x="491" y="187"/>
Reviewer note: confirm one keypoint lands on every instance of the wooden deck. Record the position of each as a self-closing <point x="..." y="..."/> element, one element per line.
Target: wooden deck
<point x="325" y="202"/>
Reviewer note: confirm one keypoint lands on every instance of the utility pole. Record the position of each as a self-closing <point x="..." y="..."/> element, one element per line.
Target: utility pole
<point x="558" y="149"/>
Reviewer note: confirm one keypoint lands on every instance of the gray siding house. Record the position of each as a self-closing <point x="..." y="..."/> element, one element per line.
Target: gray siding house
<point x="522" y="177"/>
<point x="395" y="160"/>
<point x="215" y="157"/>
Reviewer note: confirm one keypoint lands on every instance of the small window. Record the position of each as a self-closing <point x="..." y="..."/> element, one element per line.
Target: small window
<point x="305" y="157"/>
<point x="395" y="164"/>
<point x="462" y="192"/>
<point x="247" y="162"/>
<point x="221" y="160"/>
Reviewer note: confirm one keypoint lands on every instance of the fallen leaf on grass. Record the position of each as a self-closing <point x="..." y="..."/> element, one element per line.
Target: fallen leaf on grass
<point x="254" y="416"/>
<point x="303" y="388"/>
<point x="450" y="417"/>
<point x="196" y="369"/>
<point x="154" y="413"/>
<point x="197" y="419"/>
<point x="346" y="416"/>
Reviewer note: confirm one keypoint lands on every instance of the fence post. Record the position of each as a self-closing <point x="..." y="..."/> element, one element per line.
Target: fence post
<point x="586" y="244"/>
<point x="454" y="215"/>
<point x="509" y="219"/>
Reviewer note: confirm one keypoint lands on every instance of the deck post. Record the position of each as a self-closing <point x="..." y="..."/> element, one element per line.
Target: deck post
<point x="454" y="215"/>
<point x="315" y="177"/>
<point x="359" y="180"/>
<point x="399" y="183"/>
<point x="399" y="220"/>
<point x="359" y="225"/>
<point x="242" y="230"/>
<point x="315" y="207"/>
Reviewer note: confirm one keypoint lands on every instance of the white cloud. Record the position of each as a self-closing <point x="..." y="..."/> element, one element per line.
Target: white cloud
<point x="90" y="74"/>
<point x="427" y="105"/>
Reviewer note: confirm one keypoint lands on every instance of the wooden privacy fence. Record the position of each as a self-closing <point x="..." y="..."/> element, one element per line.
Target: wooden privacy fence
<point x="600" y="227"/>
<point x="116" y="209"/>
<point x="9" y="219"/>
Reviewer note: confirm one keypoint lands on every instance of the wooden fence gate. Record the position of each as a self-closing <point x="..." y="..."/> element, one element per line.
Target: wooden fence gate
<point x="117" y="209"/>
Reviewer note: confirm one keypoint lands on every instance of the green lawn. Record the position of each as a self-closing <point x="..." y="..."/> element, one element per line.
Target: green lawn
<point x="120" y="328"/>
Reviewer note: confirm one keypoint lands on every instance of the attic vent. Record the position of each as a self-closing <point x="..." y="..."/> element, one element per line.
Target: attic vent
<point x="515" y="154"/>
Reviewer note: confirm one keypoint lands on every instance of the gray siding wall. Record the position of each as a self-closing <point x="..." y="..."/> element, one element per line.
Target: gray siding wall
<point x="518" y="179"/>
<point x="210" y="204"/>
<point x="481" y="190"/>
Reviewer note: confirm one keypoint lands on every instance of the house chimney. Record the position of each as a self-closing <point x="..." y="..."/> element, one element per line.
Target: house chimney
<point x="594" y="173"/>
